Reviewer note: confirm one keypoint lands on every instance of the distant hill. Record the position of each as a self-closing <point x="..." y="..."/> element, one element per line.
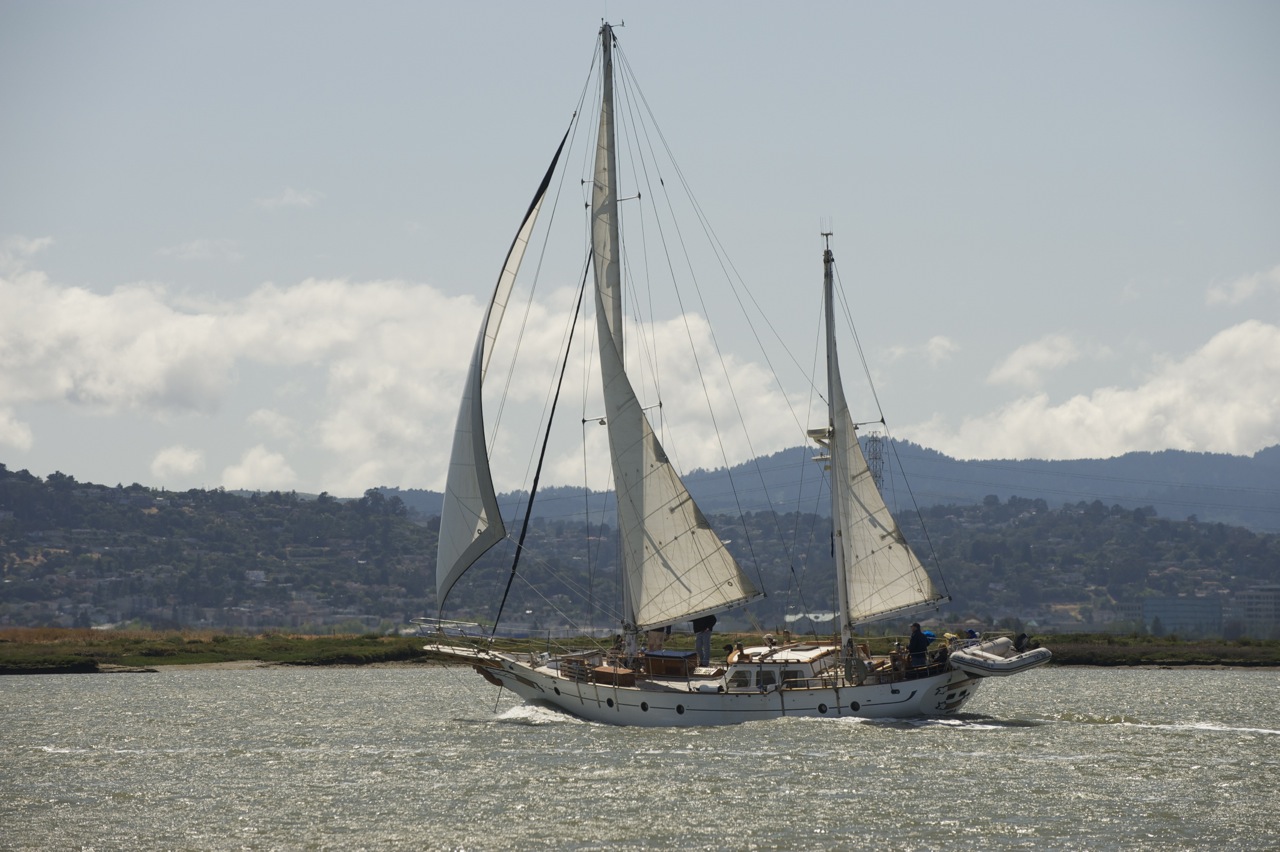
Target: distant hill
<point x="1237" y="490"/>
<point x="80" y="554"/>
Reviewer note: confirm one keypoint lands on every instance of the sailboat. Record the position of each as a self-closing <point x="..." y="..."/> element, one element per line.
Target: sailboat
<point x="675" y="567"/>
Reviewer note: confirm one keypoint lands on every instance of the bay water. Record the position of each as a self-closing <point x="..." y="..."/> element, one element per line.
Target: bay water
<point x="434" y="758"/>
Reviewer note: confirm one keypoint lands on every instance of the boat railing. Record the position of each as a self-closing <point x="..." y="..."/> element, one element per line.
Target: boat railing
<point x="448" y="629"/>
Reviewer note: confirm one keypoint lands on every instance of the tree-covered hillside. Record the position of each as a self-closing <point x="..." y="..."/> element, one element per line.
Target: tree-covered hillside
<point x="78" y="553"/>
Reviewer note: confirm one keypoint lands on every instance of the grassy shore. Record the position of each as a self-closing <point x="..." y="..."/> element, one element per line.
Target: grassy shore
<point x="66" y="651"/>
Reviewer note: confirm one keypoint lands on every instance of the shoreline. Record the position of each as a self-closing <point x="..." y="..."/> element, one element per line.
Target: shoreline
<point x="246" y="665"/>
<point x="86" y="651"/>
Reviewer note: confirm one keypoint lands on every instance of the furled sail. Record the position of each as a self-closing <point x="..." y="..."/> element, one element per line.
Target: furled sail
<point x="674" y="566"/>
<point x="879" y="575"/>
<point x="470" y="522"/>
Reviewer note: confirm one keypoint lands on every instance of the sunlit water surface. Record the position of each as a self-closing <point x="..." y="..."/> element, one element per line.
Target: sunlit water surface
<point x="432" y="758"/>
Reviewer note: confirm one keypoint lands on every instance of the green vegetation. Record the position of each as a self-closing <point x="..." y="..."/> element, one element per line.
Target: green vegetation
<point x="41" y="650"/>
<point x="68" y="651"/>
<point x="1133" y="650"/>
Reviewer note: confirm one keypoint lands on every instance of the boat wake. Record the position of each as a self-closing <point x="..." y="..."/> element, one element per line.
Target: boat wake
<point x="534" y="715"/>
<point x="1134" y="722"/>
<point x="1207" y="727"/>
<point x="969" y="722"/>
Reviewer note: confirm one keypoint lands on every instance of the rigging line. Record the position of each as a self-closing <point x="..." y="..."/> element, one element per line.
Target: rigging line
<point x="857" y="343"/>
<point x="721" y="255"/>
<point x="665" y="193"/>
<point x="569" y="583"/>
<point x="626" y="122"/>
<point x="633" y="84"/>
<point x="806" y="459"/>
<point x="730" y="271"/>
<point x="537" y="274"/>
<point x="866" y="368"/>
<point x="722" y="258"/>
<point x="575" y="125"/>
<point x="933" y="552"/>
<point x="533" y="489"/>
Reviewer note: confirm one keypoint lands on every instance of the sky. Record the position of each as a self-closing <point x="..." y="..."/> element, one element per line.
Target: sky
<point x="245" y="245"/>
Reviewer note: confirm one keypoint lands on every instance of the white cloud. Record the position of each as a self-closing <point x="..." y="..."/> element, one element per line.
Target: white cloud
<point x="124" y="350"/>
<point x="940" y="349"/>
<point x="290" y="197"/>
<point x="1224" y="397"/>
<point x="1244" y="288"/>
<point x="16" y="250"/>
<point x="13" y="432"/>
<point x="274" y="423"/>
<point x="936" y="350"/>
<point x="1024" y="366"/>
<point x="176" y="461"/>
<point x="393" y="355"/>
<point x="260" y="469"/>
<point x="203" y="249"/>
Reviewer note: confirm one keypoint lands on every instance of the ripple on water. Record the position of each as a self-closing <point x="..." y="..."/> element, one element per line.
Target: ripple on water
<point x="411" y="758"/>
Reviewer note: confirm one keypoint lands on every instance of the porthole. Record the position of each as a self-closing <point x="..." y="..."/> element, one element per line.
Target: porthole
<point x="609" y="702"/>
<point x="644" y="705"/>
<point x="680" y="709"/>
<point x="855" y="706"/>
<point x="822" y="708"/>
<point x="557" y="689"/>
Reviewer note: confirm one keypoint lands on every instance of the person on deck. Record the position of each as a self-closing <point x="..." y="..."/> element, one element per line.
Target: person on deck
<point x="918" y="645"/>
<point x="702" y="638"/>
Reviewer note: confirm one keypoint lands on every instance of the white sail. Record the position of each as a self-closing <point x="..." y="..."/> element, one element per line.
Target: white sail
<point x="470" y="522"/>
<point x="877" y="573"/>
<point x="674" y="566"/>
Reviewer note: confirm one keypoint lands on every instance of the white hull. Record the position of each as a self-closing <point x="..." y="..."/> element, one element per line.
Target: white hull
<point x="694" y="702"/>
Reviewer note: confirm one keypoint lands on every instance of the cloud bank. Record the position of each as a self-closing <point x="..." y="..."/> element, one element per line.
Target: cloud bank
<point x="1223" y="397"/>
<point x="341" y="386"/>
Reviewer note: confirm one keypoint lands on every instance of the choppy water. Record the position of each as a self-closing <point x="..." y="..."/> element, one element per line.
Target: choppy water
<point x="284" y="758"/>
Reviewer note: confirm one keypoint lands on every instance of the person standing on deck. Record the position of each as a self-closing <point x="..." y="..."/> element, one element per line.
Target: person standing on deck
<point x="702" y="638"/>
<point x="918" y="645"/>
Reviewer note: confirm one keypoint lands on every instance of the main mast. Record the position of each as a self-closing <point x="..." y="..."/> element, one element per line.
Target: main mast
<point x="604" y="200"/>
<point x="835" y="396"/>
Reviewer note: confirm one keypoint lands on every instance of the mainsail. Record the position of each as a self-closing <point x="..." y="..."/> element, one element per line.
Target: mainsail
<point x="470" y="522"/>
<point x="877" y="573"/>
<point x="674" y="566"/>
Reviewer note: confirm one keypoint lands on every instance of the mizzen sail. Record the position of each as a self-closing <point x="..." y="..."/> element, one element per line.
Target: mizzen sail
<point x="877" y="573"/>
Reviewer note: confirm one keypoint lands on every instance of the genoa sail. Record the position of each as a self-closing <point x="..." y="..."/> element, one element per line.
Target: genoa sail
<point x="470" y="521"/>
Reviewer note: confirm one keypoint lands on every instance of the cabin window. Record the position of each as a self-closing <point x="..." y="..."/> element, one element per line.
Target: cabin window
<point x="766" y="678"/>
<point x="792" y="677"/>
<point x="740" y="679"/>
